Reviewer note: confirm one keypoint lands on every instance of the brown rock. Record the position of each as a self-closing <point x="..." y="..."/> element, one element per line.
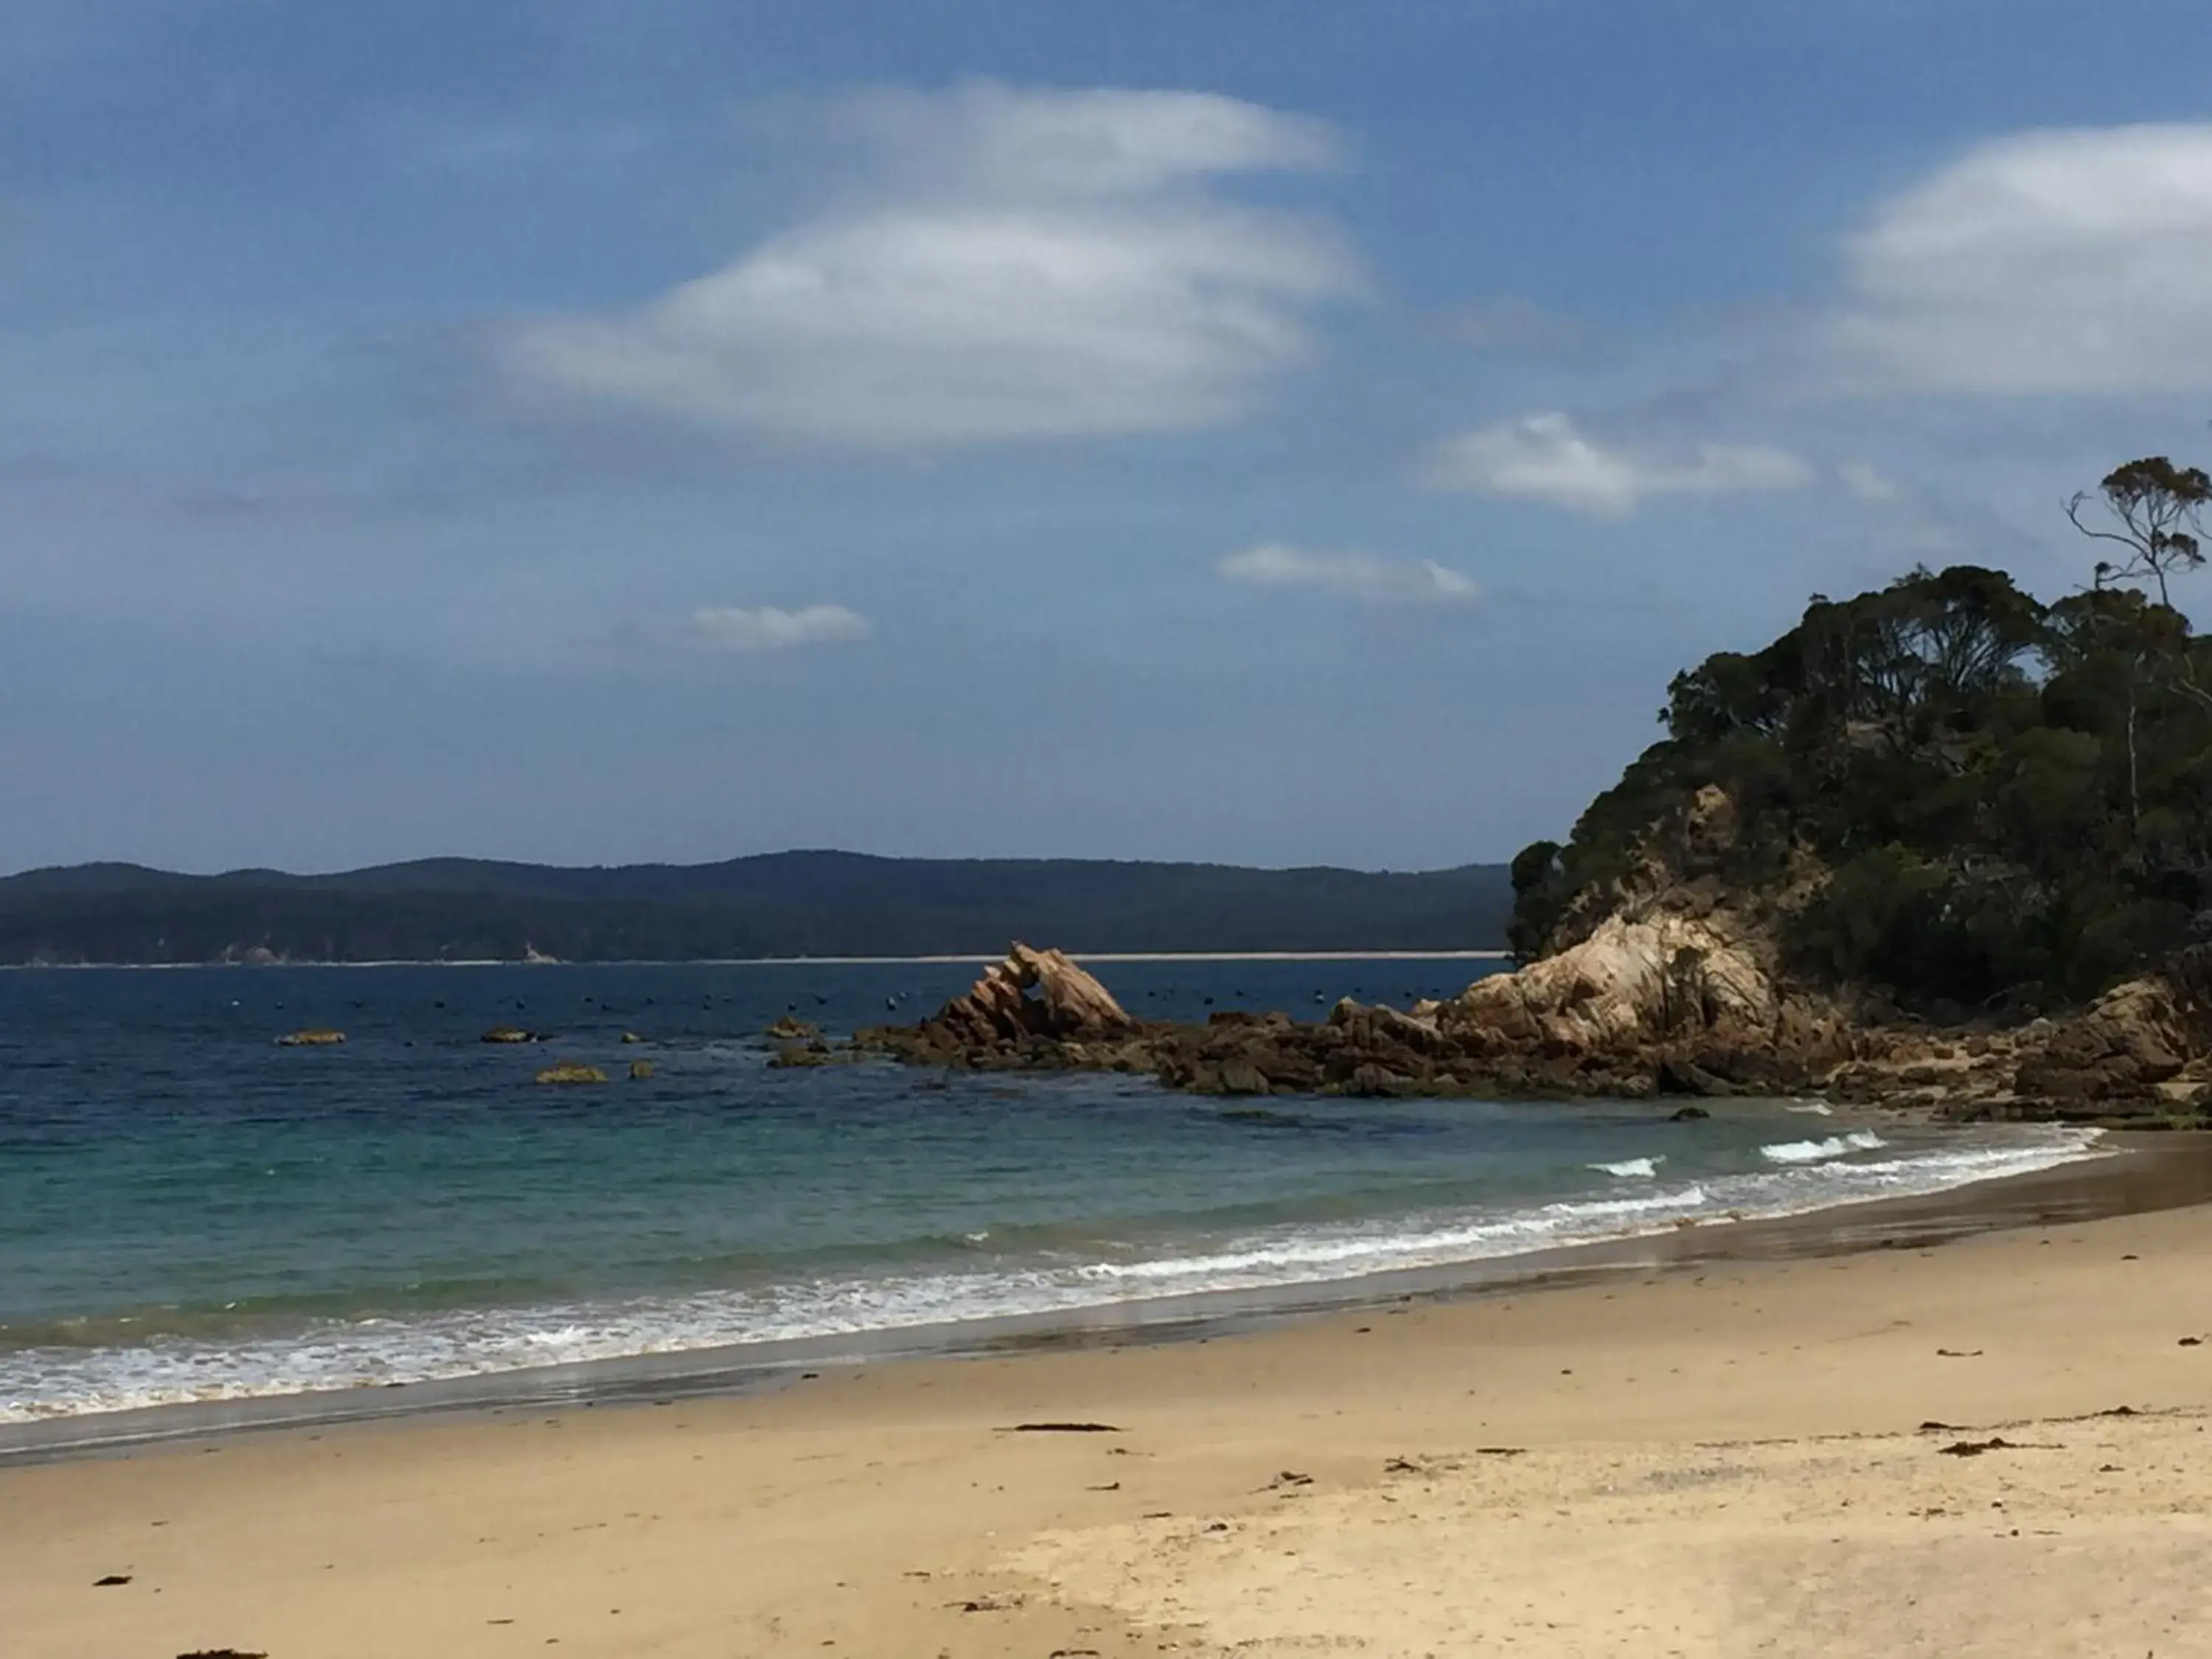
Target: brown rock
<point x="1241" y="1077"/>
<point x="571" y="1072"/>
<point x="2135" y="1036"/>
<point x="1031" y="995"/>
<point x="1373" y="1079"/>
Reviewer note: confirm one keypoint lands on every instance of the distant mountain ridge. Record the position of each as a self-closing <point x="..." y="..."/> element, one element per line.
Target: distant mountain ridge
<point x="776" y="904"/>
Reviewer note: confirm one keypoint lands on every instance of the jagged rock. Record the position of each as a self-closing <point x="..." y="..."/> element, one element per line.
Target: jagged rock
<point x="571" y="1071"/>
<point x="631" y="1036"/>
<point x="791" y="1028"/>
<point x="1031" y="995"/>
<point x="1380" y="1025"/>
<point x="315" y="1036"/>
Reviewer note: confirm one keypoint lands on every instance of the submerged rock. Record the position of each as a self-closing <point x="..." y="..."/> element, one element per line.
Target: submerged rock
<point x="511" y="1034"/>
<point x="315" y="1036"/>
<point x="571" y="1071"/>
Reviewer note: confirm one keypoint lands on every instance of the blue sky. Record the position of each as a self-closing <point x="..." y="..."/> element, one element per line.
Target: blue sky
<point x="1276" y="433"/>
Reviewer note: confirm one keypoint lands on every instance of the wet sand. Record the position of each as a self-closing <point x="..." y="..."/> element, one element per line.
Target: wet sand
<point x="1717" y="1448"/>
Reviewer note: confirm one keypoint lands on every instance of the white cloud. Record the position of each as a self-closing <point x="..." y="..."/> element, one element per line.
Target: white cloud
<point x="1360" y="575"/>
<point x="1015" y="264"/>
<point x="995" y="140"/>
<point x="2057" y="262"/>
<point x="1867" y="482"/>
<point x="1548" y="458"/>
<point x="731" y="627"/>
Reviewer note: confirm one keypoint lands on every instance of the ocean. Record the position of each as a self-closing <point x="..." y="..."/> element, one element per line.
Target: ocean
<point x="190" y="1213"/>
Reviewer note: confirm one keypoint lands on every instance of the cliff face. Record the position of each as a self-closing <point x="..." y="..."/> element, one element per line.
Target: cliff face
<point x="1669" y="978"/>
<point x="1672" y="972"/>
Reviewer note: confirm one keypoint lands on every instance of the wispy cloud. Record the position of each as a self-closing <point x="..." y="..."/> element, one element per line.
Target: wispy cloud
<point x="2056" y="262"/>
<point x="1548" y="458"/>
<point x="1357" y="575"/>
<point x="732" y="627"/>
<point x="1867" y="482"/>
<point x="1015" y="264"/>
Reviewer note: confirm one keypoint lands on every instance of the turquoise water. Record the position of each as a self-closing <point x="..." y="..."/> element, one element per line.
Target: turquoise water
<point x="188" y="1212"/>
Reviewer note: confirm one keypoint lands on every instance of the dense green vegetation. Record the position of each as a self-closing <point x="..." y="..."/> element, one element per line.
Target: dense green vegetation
<point x="2013" y="800"/>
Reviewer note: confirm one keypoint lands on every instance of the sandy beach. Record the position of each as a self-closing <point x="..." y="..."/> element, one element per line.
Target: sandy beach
<point x="1763" y="1457"/>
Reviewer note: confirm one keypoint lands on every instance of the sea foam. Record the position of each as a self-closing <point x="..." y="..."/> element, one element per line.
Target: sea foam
<point x="1815" y="1151"/>
<point x="1631" y="1168"/>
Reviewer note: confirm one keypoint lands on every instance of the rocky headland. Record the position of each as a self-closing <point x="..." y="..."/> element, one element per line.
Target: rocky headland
<point x="1672" y="983"/>
<point x="1941" y="846"/>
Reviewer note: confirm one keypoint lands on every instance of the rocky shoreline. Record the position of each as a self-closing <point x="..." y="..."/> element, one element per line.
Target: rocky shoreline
<point x="1667" y="999"/>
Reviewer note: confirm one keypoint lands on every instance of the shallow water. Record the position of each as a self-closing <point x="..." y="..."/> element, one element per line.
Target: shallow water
<point x="189" y="1212"/>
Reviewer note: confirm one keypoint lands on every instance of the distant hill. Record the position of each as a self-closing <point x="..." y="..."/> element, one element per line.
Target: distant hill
<point x="780" y="905"/>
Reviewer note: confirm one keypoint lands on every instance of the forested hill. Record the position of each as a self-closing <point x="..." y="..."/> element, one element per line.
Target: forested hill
<point x="1947" y="792"/>
<point x="782" y="904"/>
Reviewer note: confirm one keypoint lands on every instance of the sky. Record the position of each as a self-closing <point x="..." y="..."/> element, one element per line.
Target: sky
<point x="598" y="431"/>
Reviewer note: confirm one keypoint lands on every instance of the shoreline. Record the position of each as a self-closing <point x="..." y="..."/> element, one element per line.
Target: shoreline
<point x="2128" y="1175"/>
<point x="1763" y="1451"/>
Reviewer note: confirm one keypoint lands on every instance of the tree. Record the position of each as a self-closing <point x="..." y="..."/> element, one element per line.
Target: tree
<point x="1945" y="788"/>
<point x="2158" y="509"/>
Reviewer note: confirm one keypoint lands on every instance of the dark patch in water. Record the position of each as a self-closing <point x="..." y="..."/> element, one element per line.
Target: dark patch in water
<point x="1261" y="1117"/>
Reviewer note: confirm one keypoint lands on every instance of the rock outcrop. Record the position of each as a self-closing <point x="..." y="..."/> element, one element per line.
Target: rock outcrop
<point x="1632" y="985"/>
<point x="1668" y="983"/>
<point x="314" y="1038"/>
<point x="1032" y="995"/>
